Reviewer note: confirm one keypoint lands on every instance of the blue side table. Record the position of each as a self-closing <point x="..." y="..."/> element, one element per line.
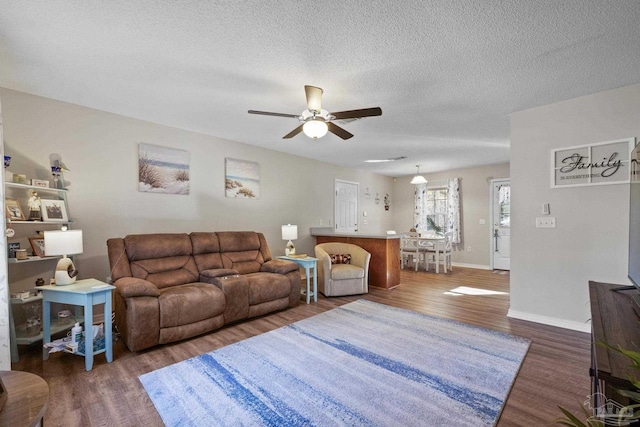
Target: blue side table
<point x="85" y="293"/>
<point x="307" y="263"/>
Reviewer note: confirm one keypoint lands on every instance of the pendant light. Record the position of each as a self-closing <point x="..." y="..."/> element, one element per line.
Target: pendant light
<point x="418" y="179"/>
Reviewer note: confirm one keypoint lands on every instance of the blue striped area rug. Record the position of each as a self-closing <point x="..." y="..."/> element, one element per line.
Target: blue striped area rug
<point x="362" y="364"/>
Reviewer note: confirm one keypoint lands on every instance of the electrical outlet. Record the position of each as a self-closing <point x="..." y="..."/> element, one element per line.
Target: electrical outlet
<point x="365" y="222"/>
<point x="320" y="221"/>
<point x="546" y="222"/>
<point x="330" y="223"/>
<point x="482" y="222"/>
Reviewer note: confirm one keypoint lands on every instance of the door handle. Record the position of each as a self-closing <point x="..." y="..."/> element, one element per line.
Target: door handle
<point x="495" y="237"/>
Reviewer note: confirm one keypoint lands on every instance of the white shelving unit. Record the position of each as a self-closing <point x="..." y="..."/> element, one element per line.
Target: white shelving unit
<point x="25" y="229"/>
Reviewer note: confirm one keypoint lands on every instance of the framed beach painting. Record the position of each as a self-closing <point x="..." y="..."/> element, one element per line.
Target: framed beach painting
<point x="163" y="170"/>
<point x="242" y="179"/>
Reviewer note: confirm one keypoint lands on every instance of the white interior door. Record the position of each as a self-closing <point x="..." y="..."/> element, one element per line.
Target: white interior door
<point x="346" y="206"/>
<point x="501" y="230"/>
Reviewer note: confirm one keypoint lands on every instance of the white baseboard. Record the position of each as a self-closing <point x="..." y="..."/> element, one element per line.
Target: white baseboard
<point x="552" y="321"/>
<point x="478" y="266"/>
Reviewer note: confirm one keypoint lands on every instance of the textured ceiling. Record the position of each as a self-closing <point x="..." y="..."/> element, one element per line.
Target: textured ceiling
<point x="446" y="74"/>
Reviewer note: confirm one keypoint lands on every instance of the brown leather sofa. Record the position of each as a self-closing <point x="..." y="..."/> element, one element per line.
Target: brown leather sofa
<point x="170" y="287"/>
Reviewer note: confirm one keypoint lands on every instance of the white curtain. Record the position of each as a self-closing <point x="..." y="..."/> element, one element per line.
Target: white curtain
<point x="420" y="211"/>
<point x="453" y="210"/>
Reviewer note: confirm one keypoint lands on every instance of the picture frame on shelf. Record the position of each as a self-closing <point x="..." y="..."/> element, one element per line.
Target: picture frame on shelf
<point x="37" y="244"/>
<point x="44" y="183"/>
<point x="54" y="210"/>
<point x="19" y="178"/>
<point x="12" y="248"/>
<point x="14" y="211"/>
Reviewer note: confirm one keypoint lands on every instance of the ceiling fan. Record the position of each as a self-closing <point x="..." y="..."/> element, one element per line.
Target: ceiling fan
<point x="316" y="121"/>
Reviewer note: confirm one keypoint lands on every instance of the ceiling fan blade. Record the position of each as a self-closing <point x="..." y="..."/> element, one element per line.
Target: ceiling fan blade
<point x="354" y="114"/>
<point x="337" y="130"/>
<point x="293" y="132"/>
<point x="314" y="98"/>
<point x="268" y="113"/>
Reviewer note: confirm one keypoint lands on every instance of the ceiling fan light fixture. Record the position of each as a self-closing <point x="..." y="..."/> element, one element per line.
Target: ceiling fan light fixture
<point x="315" y="128"/>
<point x="418" y="179"/>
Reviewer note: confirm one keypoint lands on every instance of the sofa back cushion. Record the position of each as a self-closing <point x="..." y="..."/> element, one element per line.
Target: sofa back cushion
<point x="163" y="259"/>
<point x="206" y="250"/>
<point x="242" y="250"/>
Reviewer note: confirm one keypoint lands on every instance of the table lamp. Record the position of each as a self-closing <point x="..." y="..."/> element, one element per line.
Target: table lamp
<point x="289" y="232"/>
<point x="63" y="242"/>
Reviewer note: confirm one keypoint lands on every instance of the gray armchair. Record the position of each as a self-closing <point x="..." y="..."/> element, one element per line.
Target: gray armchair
<point x="342" y="279"/>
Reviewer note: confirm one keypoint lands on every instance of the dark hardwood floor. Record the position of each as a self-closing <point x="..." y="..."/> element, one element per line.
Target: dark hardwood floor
<point x="555" y="370"/>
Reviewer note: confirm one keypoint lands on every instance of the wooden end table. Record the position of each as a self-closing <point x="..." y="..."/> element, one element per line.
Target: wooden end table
<point x="28" y="396"/>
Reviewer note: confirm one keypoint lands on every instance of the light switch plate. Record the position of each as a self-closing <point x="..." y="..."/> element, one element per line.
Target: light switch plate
<point x="546" y="222"/>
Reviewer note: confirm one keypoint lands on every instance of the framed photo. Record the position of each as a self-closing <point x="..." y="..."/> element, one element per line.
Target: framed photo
<point x="37" y="244"/>
<point x="44" y="183"/>
<point x="54" y="210"/>
<point x="13" y="247"/>
<point x="14" y="211"/>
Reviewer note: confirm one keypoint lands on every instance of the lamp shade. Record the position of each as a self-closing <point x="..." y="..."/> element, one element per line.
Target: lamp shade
<point x="418" y="179"/>
<point x="315" y="128"/>
<point x="60" y="242"/>
<point x="289" y="232"/>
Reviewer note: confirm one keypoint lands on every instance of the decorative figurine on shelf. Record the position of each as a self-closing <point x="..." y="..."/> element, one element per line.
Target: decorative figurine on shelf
<point x="35" y="212"/>
<point x="57" y="168"/>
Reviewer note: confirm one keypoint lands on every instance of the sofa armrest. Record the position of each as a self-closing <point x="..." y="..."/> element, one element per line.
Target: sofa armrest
<point x="134" y="287"/>
<point x="280" y="266"/>
<point x="212" y="273"/>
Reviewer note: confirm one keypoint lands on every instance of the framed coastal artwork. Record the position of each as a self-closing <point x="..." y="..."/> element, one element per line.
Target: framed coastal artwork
<point x="242" y="179"/>
<point x="163" y="170"/>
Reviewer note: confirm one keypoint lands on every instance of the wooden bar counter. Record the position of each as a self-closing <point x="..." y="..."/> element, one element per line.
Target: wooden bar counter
<point x="384" y="268"/>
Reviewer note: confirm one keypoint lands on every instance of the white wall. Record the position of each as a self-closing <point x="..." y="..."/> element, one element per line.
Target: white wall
<point x="475" y="204"/>
<point x="550" y="268"/>
<point x="5" y="354"/>
<point x="101" y="150"/>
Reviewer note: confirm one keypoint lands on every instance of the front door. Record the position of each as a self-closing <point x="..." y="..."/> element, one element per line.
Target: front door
<point x="501" y="230"/>
<point x="346" y="206"/>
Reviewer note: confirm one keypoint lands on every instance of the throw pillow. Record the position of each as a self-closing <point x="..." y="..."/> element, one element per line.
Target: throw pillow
<point x="340" y="258"/>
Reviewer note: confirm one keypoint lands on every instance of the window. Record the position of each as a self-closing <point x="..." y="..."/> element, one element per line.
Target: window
<point x="436" y="209"/>
<point x="439" y="205"/>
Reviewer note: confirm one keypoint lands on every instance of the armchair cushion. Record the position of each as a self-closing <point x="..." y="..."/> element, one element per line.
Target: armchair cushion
<point x="340" y="258"/>
<point x="346" y="271"/>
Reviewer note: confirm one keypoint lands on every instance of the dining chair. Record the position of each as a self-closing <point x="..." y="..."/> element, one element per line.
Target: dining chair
<point x="410" y="250"/>
<point x="440" y="253"/>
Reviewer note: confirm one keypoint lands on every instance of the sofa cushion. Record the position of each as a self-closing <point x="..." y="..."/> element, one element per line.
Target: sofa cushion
<point x="280" y="266"/>
<point x="346" y="271"/>
<point x="206" y="250"/>
<point x="164" y="272"/>
<point x="133" y="287"/>
<point x="159" y="245"/>
<point x="265" y="287"/>
<point x="207" y="275"/>
<point x="163" y="259"/>
<point x="185" y="304"/>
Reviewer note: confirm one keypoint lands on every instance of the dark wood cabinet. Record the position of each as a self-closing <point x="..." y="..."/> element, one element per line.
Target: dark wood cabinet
<point x="615" y="320"/>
